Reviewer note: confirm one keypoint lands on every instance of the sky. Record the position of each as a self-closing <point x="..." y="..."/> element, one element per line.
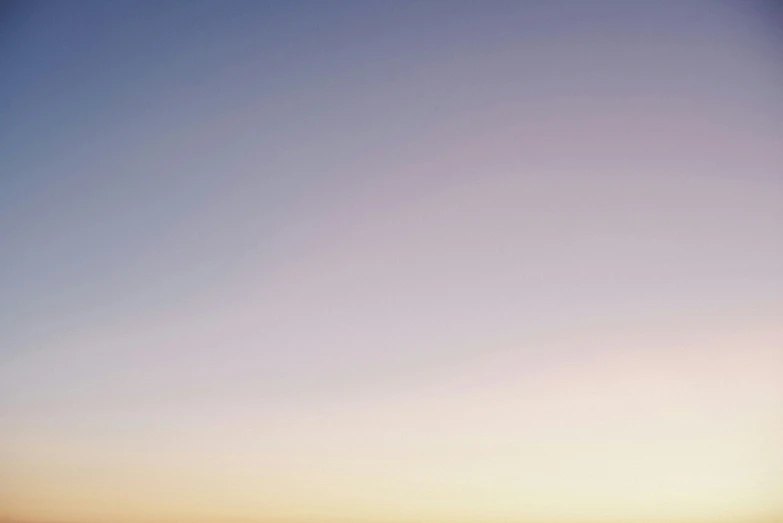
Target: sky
<point x="375" y="261"/>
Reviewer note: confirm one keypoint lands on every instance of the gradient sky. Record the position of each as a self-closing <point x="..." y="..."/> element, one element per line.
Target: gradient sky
<point x="390" y="261"/>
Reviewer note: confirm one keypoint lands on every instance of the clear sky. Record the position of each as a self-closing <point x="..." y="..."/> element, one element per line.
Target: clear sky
<point x="391" y="261"/>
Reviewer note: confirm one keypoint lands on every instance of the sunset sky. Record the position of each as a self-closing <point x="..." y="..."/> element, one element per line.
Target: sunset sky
<point x="391" y="262"/>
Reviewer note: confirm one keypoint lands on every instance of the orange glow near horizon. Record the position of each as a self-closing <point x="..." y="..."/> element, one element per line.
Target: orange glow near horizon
<point x="620" y="437"/>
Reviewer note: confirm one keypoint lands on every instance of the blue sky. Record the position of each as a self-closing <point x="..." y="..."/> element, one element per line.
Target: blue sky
<point x="249" y="241"/>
